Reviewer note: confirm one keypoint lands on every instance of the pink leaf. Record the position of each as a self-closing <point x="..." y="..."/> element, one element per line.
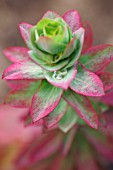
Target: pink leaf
<point x="73" y="19"/>
<point x="22" y="97"/>
<point x="25" y="32"/>
<point x="83" y="107"/>
<point x="25" y="69"/>
<point x="87" y="83"/>
<point x="18" y="84"/>
<point x="45" y="100"/>
<point x="107" y="98"/>
<point x="107" y="80"/>
<point x="51" y="15"/>
<point x="98" y="57"/>
<point x="88" y="38"/>
<point x="16" y="54"/>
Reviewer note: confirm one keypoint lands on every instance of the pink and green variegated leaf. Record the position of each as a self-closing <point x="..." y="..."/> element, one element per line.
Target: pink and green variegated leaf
<point x="51" y="15"/>
<point x="47" y="66"/>
<point x="25" y="32"/>
<point x="79" y="34"/>
<point x="107" y="98"/>
<point x="70" y="48"/>
<point x="45" y="100"/>
<point x="22" y="97"/>
<point x="107" y="80"/>
<point x="18" y="84"/>
<point x="56" y="79"/>
<point x="16" y="54"/>
<point x="56" y="114"/>
<point x="68" y="120"/>
<point x="87" y="83"/>
<point x="88" y="37"/>
<point x="25" y="69"/>
<point x="73" y="19"/>
<point x="83" y="107"/>
<point x="47" y="44"/>
<point x="98" y="57"/>
<point x="38" y="53"/>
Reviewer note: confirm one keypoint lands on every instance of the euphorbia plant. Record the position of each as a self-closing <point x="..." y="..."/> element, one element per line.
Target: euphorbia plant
<point x="58" y="71"/>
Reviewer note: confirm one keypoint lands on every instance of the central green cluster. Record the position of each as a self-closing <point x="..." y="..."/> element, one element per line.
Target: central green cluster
<point x="54" y="47"/>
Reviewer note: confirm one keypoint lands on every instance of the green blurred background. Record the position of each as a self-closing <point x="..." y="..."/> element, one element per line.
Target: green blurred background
<point x="98" y="12"/>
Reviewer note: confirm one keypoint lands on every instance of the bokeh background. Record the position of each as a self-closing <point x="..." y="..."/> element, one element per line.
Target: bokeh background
<point x="98" y="12"/>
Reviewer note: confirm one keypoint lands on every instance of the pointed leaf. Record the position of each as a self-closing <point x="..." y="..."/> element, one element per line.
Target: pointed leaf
<point x="73" y="19"/>
<point x="18" y="84"/>
<point x="87" y="83"/>
<point x="47" y="66"/>
<point x="16" y="54"/>
<point x="61" y="78"/>
<point x="98" y="57"/>
<point x="70" y="48"/>
<point x="68" y="120"/>
<point x="48" y="45"/>
<point x="22" y="98"/>
<point x="56" y="114"/>
<point x="25" y="69"/>
<point x="88" y="38"/>
<point x="83" y="107"/>
<point x="45" y="100"/>
<point x="25" y="32"/>
<point x="51" y="15"/>
<point x="79" y="34"/>
<point x="107" y="80"/>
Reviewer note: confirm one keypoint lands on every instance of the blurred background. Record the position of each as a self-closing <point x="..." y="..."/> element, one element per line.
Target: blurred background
<point x="98" y="12"/>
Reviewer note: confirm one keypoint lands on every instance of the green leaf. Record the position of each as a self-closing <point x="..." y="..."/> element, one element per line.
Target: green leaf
<point x="61" y="78"/>
<point x="49" y="45"/>
<point x="83" y="107"/>
<point x="45" y="100"/>
<point x="56" y="114"/>
<point x="68" y="120"/>
<point x="79" y="34"/>
<point x="22" y="98"/>
<point x="47" y="66"/>
<point x="70" y="48"/>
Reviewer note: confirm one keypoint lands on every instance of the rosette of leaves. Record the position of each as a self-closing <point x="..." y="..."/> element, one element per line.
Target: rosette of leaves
<point x="57" y="71"/>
